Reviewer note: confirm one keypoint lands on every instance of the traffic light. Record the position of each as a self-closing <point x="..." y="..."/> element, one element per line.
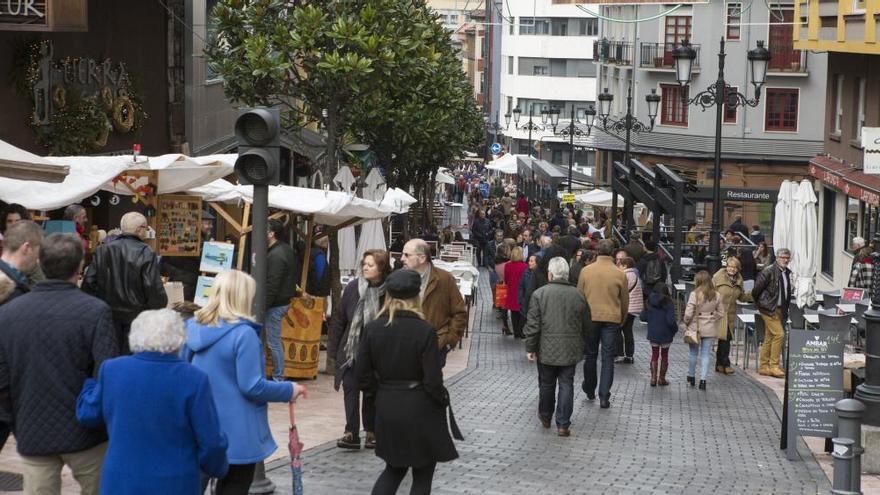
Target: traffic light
<point x="258" y="132"/>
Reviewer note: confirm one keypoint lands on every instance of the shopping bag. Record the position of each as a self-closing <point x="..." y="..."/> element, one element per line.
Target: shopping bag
<point x="500" y="295"/>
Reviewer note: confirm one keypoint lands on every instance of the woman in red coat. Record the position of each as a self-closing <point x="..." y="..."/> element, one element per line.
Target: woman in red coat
<point x="513" y="272"/>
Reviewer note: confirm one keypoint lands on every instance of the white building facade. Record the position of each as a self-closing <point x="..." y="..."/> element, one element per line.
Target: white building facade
<point x="546" y="62"/>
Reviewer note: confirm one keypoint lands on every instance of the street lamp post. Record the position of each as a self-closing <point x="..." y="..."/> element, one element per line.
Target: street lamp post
<point x="629" y="124"/>
<point x="572" y="130"/>
<point x="718" y="95"/>
<point x="530" y="125"/>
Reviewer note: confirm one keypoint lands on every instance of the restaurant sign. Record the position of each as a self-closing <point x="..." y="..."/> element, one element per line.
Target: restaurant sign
<point x="841" y="184"/>
<point x="43" y="15"/>
<point x="871" y="147"/>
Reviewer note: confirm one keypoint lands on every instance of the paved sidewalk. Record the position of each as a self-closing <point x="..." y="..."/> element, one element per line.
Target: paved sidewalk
<point x="659" y="440"/>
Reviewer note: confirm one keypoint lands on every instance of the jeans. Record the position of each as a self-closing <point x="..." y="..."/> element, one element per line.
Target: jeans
<point x="605" y="334"/>
<point x="391" y="477"/>
<point x="722" y="353"/>
<point x="273" y="339"/>
<point x="353" y="409"/>
<point x="548" y="376"/>
<point x="626" y="344"/>
<point x="703" y="348"/>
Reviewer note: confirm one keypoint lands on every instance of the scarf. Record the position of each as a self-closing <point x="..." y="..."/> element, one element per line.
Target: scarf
<point x="426" y="277"/>
<point x="365" y="312"/>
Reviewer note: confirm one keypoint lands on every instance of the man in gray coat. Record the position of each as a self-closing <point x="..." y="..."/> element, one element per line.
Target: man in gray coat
<point x="555" y="332"/>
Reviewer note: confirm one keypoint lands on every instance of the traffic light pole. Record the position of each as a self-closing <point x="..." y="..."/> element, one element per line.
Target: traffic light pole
<point x="259" y="241"/>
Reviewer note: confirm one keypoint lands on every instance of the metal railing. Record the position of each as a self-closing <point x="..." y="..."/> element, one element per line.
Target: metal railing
<point x="613" y="52"/>
<point x="787" y="59"/>
<point x="659" y="56"/>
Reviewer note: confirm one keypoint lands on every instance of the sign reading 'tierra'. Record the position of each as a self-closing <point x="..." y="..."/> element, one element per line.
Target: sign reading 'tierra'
<point x="43" y="15"/>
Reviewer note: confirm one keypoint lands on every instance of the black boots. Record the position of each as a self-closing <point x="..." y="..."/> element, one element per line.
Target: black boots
<point x="702" y="385"/>
<point x="690" y="380"/>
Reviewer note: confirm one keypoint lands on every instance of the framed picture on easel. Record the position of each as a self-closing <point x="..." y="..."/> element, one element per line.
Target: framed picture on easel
<point x="178" y="225"/>
<point x="216" y="257"/>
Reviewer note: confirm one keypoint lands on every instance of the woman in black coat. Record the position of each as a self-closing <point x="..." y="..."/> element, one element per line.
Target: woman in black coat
<point x="360" y="304"/>
<point x="399" y="361"/>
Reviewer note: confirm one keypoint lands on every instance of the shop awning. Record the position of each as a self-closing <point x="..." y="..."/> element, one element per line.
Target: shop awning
<point x="16" y="163"/>
<point x="505" y="164"/>
<point x="850" y="181"/>
<point x="326" y="207"/>
<point x="90" y="174"/>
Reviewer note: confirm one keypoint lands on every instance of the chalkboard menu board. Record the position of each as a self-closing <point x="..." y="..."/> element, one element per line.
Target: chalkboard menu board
<point x="815" y="381"/>
<point x="179" y="225"/>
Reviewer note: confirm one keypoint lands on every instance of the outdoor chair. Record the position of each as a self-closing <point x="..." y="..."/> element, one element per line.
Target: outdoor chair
<point x="831" y="301"/>
<point x="796" y="317"/>
<point x="753" y="338"/>
<point x="835" y="323"/>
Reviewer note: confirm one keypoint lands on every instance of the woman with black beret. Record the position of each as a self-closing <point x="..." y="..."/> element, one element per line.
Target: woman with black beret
<point x="399" y="361"/>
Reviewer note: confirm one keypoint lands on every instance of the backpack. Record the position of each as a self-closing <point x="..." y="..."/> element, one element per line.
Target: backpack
<point x="653" y="272"/>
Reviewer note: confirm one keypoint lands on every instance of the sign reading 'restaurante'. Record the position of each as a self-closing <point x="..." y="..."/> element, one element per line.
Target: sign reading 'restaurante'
<point x="624" y="2"/>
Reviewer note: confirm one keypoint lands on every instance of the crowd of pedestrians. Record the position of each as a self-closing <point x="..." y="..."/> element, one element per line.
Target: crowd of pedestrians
<point x="562" y="285"/>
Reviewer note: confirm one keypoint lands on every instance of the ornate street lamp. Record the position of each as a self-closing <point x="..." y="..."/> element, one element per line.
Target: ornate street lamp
<point x="719" y="95"/>
<point x="572" y="130"/>
<point x="530" y="125"/>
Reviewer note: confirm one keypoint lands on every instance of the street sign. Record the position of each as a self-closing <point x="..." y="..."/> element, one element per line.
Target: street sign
<point x="568" y="198"/>
<point x="871" y="145"/>
<point x="495" y="148"/>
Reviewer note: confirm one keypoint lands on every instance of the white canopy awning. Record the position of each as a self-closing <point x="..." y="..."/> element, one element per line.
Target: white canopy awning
<point x="328" y="207"/>
<point x="90" y="174"/>
<point x="397" y="200"/>
<point x="596" y="197"/>
<point x="505" y="164"/>
<point x="444" y="178"/>
<point x="16" y="163"/>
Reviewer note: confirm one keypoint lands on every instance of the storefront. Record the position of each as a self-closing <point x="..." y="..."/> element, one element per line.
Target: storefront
<point x="849" y="207"/>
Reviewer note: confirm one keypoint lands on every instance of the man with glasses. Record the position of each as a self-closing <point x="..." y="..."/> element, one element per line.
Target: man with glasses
<point x="125" y="275"/>
<point x="772" y="295"/>
<point x="442" y="303"/>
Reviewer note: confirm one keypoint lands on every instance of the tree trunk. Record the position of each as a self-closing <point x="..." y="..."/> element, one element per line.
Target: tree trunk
<point x="331" y="153"/>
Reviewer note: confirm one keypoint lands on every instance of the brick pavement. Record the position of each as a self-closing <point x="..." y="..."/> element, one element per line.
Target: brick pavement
<point x="659" y="440"/>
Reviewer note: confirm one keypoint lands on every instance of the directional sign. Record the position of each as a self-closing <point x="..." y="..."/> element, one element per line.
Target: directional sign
<point x="568" y="198"/>
<point x="495" y="148"/>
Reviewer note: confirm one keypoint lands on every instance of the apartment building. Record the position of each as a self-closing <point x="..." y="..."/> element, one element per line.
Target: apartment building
<point x="761" y="145"/>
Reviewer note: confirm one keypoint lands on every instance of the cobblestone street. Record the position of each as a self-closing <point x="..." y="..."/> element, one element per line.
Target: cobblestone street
<point x="659" y="440"/>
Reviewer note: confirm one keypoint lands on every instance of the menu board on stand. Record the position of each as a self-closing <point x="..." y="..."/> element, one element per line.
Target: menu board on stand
<point x="814" y="384"/>
<point x="178" y="225"/>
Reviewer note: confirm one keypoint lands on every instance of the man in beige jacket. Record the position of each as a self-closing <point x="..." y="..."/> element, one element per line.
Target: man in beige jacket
<point x="605" y="288"/>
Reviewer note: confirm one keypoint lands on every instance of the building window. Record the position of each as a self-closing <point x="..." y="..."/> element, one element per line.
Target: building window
<point x="851" y="223"/>
<point x="783" y="56"/>
<point x="838" y="105"/>
<point x="730" y="111"/>
<point x="510" y="65"/>
<point x="588" y="27"/>
<point x="674" y="107"/>
<point x="534" y="26"/>
<point x="858" y="6"/>
<point x="859" y="114"/>
<point x="828" y="203"/>
<point x="509" y="104"/>
<point x="539" y="70"/>
<point x="734" y="18"/>
<point x="678" y="28"/>
<point x="781" y="110"/>
<point x="211" y="32"/>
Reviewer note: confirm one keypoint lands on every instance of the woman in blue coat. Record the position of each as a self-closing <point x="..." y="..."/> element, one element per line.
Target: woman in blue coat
<point x="223" y="341"/>
<point x="159" y="413"/>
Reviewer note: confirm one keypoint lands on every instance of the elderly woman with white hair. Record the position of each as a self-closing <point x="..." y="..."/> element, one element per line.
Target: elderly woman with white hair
<point x="159" y="413"/>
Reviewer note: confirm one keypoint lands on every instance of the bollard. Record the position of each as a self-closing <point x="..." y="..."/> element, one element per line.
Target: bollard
<point x="849" y="425"/>
<point x="843" y="456"/>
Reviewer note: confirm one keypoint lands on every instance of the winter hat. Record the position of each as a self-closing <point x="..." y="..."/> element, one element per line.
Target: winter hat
<point x="404" y="284"/>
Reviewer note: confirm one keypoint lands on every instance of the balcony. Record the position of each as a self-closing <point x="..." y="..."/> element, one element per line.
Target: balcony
<point x="784" y="60"/>
<point x="613" y="52"/>
<point x="658" y="56"/>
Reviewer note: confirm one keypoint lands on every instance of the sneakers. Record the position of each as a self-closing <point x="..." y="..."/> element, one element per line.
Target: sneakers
<point x="776" y="372"/>
<point x="623" y="360"/>
<point x="349" y="441"/>
<point x="370" y="441"/>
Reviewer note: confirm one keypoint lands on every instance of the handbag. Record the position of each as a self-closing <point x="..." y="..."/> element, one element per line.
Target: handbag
<point x="691" y="336"/>
<point x="501" y="295"/>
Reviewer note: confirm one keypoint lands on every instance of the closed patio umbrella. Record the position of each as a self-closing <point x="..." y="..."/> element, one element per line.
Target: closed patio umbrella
<point x="782" y="218"/>
<point x="803" y="244"/>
